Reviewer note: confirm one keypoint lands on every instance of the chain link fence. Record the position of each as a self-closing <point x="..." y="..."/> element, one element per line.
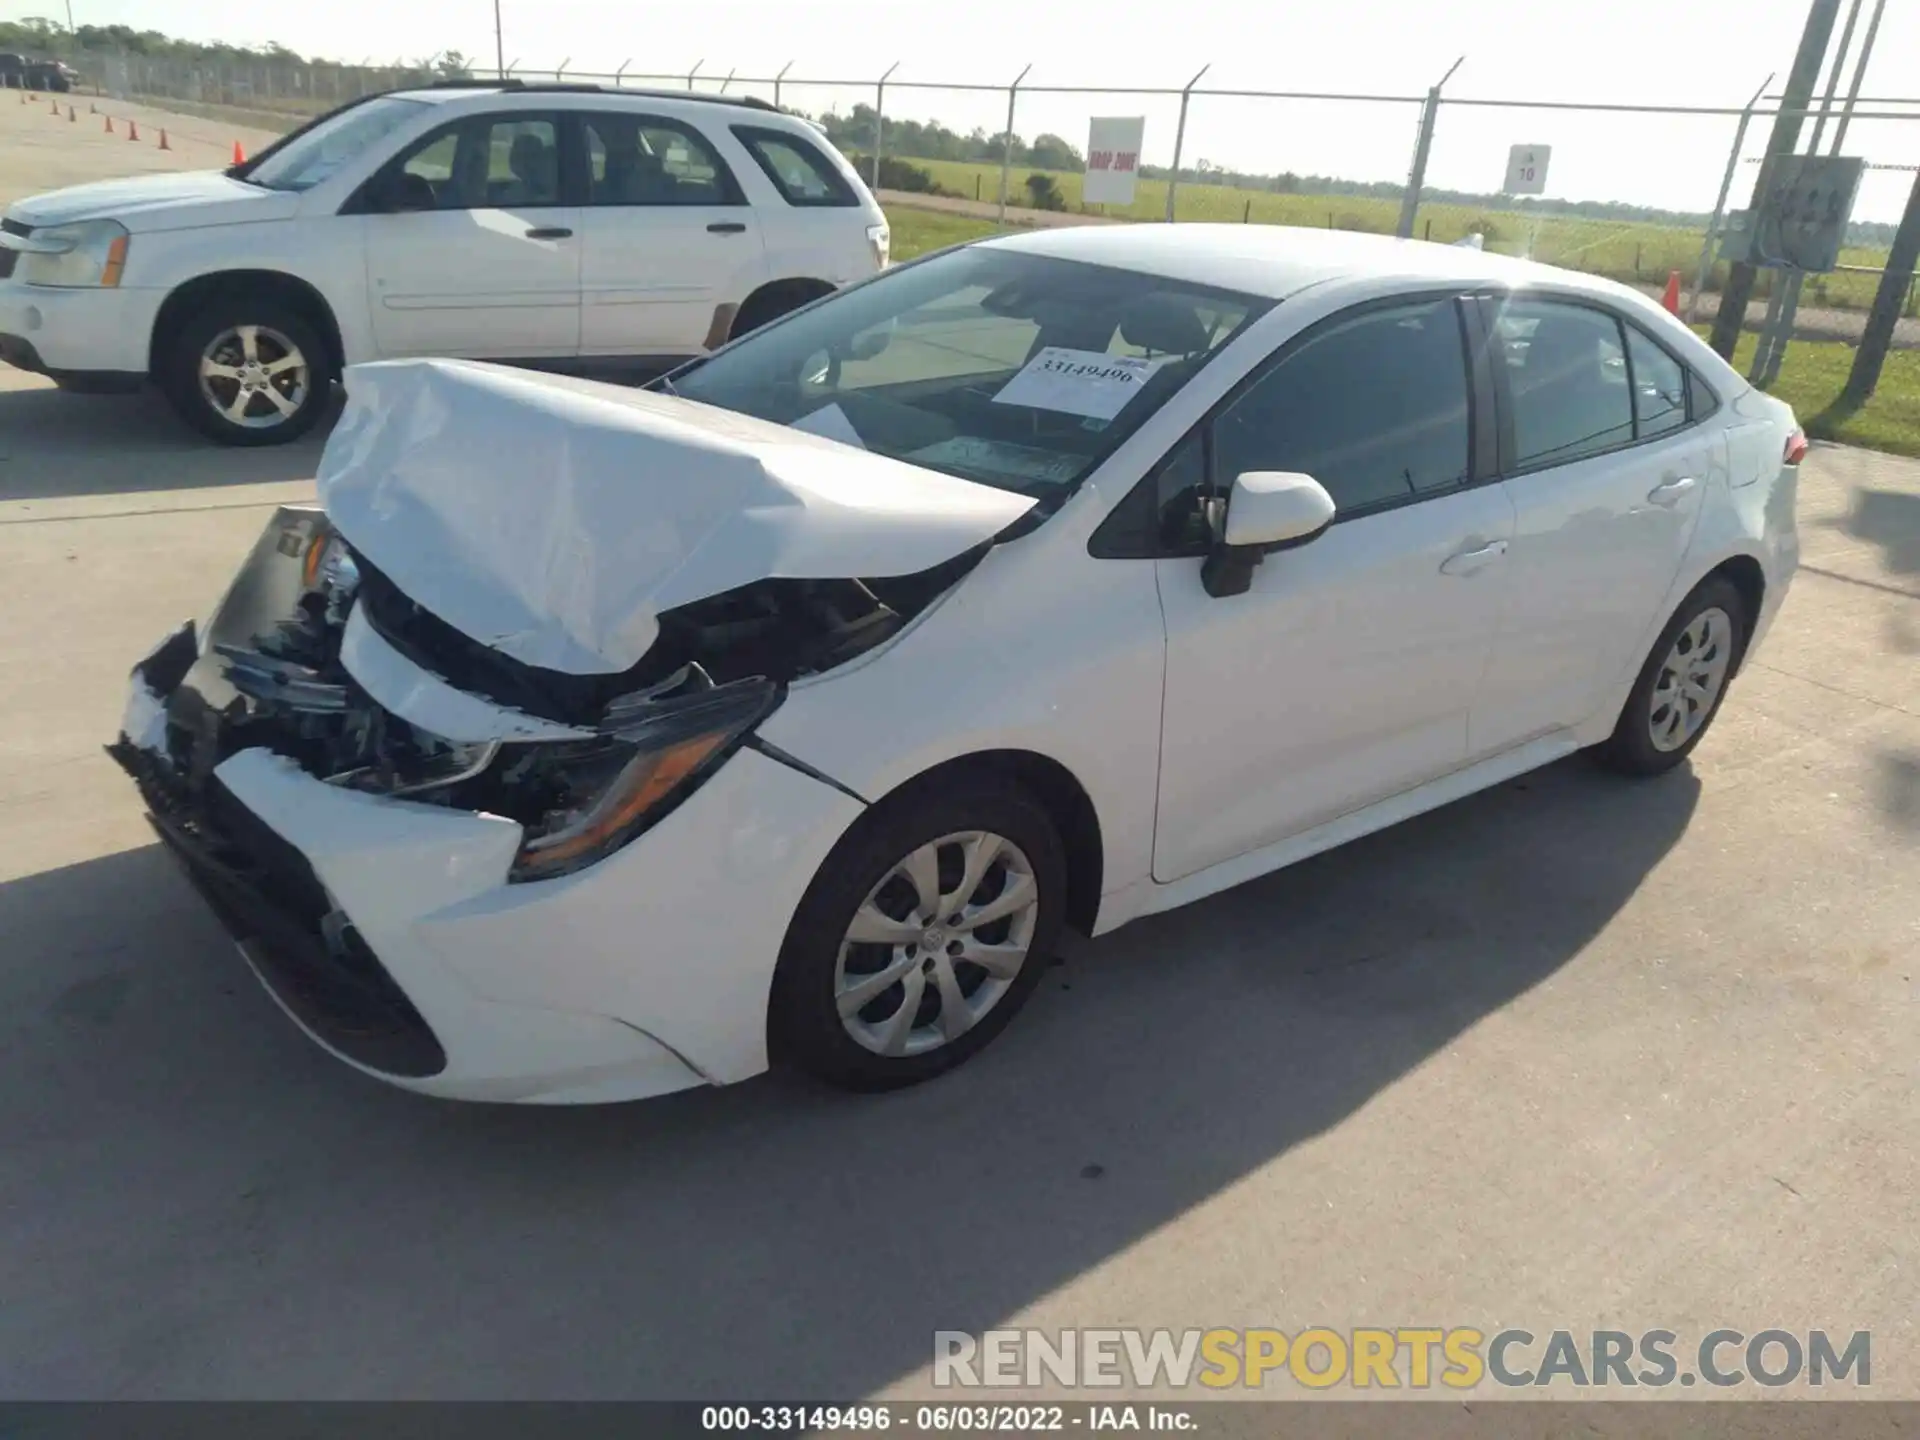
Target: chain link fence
<point x="998" y="152"/>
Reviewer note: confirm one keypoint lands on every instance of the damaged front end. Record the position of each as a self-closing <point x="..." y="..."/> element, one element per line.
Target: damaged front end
<point x="315" y="655"/>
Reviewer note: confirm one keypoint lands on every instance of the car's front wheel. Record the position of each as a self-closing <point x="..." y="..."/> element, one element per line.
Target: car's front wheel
<point x="925" y="931"/>
<point x="249" y="371"/>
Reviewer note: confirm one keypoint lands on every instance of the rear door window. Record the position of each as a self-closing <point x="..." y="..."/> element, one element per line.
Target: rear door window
<point x="1566" y="372"/>
<point x="649" y="160"/>
<point x="1659" y="387"/>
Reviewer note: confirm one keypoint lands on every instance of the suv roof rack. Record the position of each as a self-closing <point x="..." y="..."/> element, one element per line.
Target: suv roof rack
<point x="749" y="102"/>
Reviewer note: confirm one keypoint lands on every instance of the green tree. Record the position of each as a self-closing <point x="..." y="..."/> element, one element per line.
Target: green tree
<point x="1050" y="152"/>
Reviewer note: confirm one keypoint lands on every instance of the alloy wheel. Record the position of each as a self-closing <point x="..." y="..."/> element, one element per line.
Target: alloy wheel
<point x="254" y="376"/>
<point x="937" y="943"/>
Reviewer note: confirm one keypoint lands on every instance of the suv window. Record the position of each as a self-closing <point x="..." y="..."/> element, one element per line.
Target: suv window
<point x="797" y="169"/>
<point x="483" y="163"/>
<point x="1567" y="375"/>
<point x="1375" y="408"/>
<point x="645" y="160"/>
<point x="1659" y="387"/>
<point x="306" y="159"/>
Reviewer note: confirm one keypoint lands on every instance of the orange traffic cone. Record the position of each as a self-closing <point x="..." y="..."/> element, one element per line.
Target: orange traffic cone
<point x="133" y="130"/>
<point x="1671" y="300"/>
<point x="239" y="155"/>
<point x="109" y="120"/>
<point x="163" y="141"/>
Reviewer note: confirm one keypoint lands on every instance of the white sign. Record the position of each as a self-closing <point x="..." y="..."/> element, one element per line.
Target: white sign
<point x="1089" y="383"/>
<point x="1527" y="170"/>
<point x="832" y="422"/>
<point x="1113" y="159"/>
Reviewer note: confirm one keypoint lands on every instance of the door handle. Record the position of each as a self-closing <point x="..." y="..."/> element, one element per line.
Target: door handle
<point x="1468" y="562"/>
<point x="727" y="227"/>
<point x="549" y="232"/>
<point x="1668" y="492"/>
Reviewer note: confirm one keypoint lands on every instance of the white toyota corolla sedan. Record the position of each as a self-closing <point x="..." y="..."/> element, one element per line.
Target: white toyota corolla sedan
<point x="587" y="744"/>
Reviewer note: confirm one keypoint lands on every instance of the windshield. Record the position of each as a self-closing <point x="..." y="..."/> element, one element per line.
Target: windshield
<point x="310" y="158"/>
<point x="1019" y="371"/>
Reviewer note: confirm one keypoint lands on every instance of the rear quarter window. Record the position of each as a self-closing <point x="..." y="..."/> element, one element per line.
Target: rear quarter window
<point x="797" y="168"/>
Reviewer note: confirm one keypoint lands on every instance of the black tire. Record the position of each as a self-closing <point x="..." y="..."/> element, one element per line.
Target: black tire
<point x="1631" y="749"/>
<point x="180" y="371"/>
<point x="804" y="1026"/>
<point x="773" y="302"/>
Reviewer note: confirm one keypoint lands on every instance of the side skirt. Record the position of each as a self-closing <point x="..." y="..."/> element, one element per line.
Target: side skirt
<point x="1150" y="898"/>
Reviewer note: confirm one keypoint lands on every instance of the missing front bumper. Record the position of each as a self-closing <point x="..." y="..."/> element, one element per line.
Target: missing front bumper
<point x="305" y="950"/>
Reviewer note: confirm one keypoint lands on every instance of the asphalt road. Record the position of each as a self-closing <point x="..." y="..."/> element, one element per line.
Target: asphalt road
<point x="1574" y="1053"/>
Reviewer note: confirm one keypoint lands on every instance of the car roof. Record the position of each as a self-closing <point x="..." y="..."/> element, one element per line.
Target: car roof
<point x="1275" y="261"/>
<point x="470" y="89"/>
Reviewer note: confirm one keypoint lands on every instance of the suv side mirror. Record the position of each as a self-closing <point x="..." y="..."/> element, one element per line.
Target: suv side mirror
<point x="1269" y="510"/>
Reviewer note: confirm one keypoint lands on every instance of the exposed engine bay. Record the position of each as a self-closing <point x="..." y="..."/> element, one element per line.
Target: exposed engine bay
<point x="269" y="674"/>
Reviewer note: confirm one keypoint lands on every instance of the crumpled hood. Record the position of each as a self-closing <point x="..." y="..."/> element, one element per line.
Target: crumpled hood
<point x="158" y="202"/>
<point x="554" y="519"/>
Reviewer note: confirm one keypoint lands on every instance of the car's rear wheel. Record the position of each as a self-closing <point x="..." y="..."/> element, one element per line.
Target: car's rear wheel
<point x="1679" y="689"/>
<point x="770" y="302"/>
<point x="249" y="371"/>
<point x="925" y="931"/>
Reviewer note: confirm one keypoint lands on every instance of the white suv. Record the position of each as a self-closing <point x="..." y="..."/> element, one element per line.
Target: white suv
<point x="557" y="226"/>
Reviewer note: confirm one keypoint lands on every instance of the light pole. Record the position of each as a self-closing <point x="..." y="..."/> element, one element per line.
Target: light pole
<point x="499" y="46"/>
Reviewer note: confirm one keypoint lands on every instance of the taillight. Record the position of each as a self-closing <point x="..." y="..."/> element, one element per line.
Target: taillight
<point x="1796" y="447"/>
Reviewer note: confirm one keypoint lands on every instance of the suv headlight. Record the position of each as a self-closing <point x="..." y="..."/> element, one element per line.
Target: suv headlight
<point x="89" y="255"/>
<point x="599" y="794"/>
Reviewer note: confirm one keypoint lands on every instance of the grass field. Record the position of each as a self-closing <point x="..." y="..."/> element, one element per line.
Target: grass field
<point x="1624" y="251"/>
<point x="917" y="231"/>
<point x="1811" y="379"/>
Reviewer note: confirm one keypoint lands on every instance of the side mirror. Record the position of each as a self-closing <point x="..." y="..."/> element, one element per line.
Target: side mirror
<point x="1269" y="510"/>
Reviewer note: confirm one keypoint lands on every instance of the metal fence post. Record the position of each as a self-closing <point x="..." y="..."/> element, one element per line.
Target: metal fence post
<point x="560" y="75"/>
<point x="1180" y="139"/>
<point x="776" y="83"/>
<point x="1006" y="144"/>
<point x="1720" y="205"/>
<point x="880" y="121"/>
<point x="1422" y="145"/>
<point x="728" y="81"/>
<point x="621" y="71"/>
<point x="693" y="72"/>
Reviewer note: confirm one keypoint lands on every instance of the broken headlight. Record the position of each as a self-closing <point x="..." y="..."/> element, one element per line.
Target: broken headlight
<point x="596" y="795"/>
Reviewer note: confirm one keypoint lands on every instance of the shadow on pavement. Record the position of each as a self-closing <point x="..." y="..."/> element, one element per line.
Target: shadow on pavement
<point x="204" y="1204"/>
<point x="1891" y="520"/>
<point x="53" y="444"/>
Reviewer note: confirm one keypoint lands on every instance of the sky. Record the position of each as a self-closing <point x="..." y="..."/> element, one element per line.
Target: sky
<point x="1702" y="52"/>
